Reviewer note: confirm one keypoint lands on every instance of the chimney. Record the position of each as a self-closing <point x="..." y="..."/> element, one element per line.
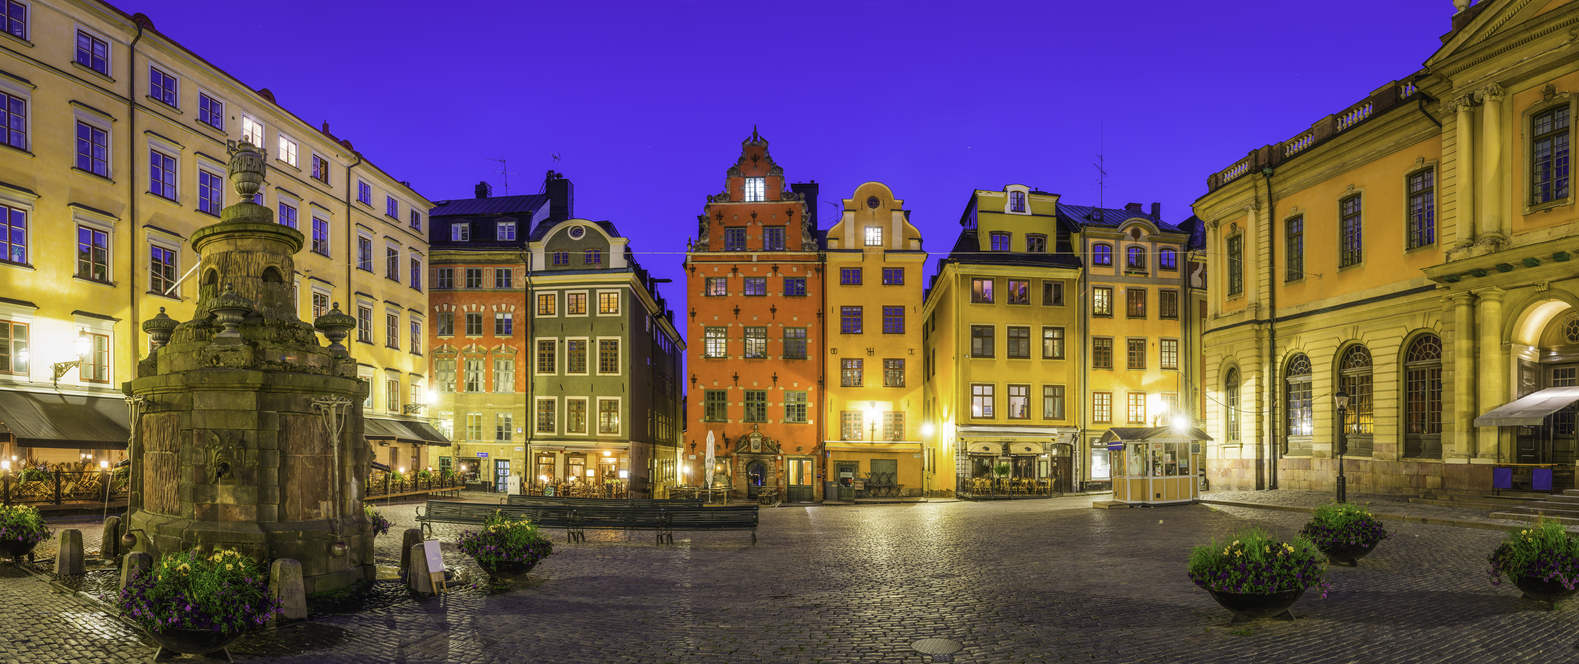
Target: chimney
<point x="808" y="191"/>
<point x="561" y="197"/>
<point x="1133" y="208"/>
<point x="484" y="190"/>
<point x="1156" y="211"/>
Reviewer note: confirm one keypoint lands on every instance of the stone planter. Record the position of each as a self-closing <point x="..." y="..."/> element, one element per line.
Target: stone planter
<point x="178" y="641"/>
<point x="1255" y="606"/>
<point x="508" y="572"/>
<point x="1347" y="553"/>
<point x="1550" y="592"/>
<point x="16" y="549"/>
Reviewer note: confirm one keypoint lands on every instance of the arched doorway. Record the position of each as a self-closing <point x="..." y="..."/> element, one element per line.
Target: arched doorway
<point x="1555" y="440"/>
<point x="756" y="476"/>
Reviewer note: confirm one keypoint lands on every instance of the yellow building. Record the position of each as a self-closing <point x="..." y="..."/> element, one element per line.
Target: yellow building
<point x="874" y="262"/>
<point x="1412" y="252"/>
<point x="116" y="154"/>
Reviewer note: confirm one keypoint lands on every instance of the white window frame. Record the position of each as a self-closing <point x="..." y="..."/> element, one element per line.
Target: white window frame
<point x="565" y="301"/>
<point x="597" y="415"/>
<point x="558" y="353"/>
<point x="92" y="326"/>
<point x="356" y="258"/>
<point x="755" y="190"/>
<point x="291" y="156"/>
<point x="282" y="198"/>
<point x="597" y="304"/>
<point x="25" y="92"/>
<point x="25" y="315"/>
<point x="361" y="185"/>
<point x="27" y="202"/>
<point x="263" y="131"/>
<point x="588" y="413"/>
<point x="501" y="226"/>
<point x="27" y="8"/>
<point x="592" y="356"/>
<point x="171" y="150"/>
<point x="870" y="230"/>
<point x="103" y="122"/>
<point x="169" y="242"/>
<point x="327" y="162"/>
<point x="80" y="217"/>
<point x="597" y="357"/>
<point x="460" y="232"/>
<point x="535" y="410"/>
<point x="318" y="287"/>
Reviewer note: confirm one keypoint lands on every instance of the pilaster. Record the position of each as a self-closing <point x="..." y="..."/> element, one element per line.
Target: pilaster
<point x="1492" y="369"/>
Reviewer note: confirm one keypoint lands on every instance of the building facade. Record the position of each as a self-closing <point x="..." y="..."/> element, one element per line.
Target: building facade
<point x="874" y="260"/>
<point x="114" y="153"/>
<point x="755" y="282"/>
<point x="1409" y="251"/>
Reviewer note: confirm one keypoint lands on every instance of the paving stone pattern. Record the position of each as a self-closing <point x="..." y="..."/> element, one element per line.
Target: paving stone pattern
<point x="1013" y="581"/>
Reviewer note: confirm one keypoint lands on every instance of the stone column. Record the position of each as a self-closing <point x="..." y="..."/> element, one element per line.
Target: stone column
<point x="1464" y="412"/>
<point x="1464" y="182"/>
<point x="1493" y="218"/>
<point x="1492" y="372"/>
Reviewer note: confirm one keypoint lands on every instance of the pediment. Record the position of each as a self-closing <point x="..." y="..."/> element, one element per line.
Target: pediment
<point x="1494" y="18"/>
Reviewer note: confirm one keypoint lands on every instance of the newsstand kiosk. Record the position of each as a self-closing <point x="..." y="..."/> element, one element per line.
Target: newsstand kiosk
<point x="1155" y="465"/>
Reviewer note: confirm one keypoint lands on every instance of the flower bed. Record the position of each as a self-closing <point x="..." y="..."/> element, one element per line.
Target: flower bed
<point x="505" y="545"/>
<point x="220" y="591"/>
<point x="380" y="524"/>
<point x="21" y="528"/>
<point x="1546" y="553"/>
<point x="1255" y="563"/>
<point x="1344" y="531"/>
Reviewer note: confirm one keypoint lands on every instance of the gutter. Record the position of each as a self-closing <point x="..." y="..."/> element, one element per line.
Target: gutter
<point x="131" y="186"/>
<point x="1272" y="361"/>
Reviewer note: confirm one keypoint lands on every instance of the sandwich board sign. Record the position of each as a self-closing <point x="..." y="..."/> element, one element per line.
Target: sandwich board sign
<point x="435" y="558"/>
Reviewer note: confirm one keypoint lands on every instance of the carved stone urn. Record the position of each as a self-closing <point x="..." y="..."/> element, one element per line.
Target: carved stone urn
<point x="335" y="326"/>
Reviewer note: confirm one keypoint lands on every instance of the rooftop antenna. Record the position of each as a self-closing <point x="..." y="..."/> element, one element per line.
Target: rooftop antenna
<point x="1101" y="162"/>
<point x="504" y="170"/>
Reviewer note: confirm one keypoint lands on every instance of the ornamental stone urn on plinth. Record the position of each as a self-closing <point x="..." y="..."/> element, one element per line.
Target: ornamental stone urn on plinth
<point x="247" y="430"/>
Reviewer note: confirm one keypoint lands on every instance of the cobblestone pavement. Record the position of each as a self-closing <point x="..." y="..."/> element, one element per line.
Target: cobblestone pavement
<point x="1042" y="580"/>
<point x="1384" y="505"/>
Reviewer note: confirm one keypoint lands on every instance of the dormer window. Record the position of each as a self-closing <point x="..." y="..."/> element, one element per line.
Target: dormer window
<point x="756" y="190"/>
<point x="874" y="236"/>
<point x="1000" y="241"/>
<point x="505" y="231"/>
<point x="461" y="232"/>
<point x="1136" y="258"/>
<point x="1016" y="201"/>
<point x="1102" y="254"/>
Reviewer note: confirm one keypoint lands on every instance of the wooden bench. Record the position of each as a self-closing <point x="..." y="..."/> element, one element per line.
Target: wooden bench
<point x="734" y="517"/>
<point x="576" y="520"/>
<point x="601" y="502"/>
<point x="443" y="511"/>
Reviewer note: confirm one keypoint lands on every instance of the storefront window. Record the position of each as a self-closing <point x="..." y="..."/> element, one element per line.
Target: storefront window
<point x="981" y="466"/>
<point x="1137" y="460"/>
<point x="1099" y="464"/>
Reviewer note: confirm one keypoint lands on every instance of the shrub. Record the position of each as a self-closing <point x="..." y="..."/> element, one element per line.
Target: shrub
<point x="1545" y="552"/>
<point x="380" y="524"/>
<point x="504" y="542"/>
<point x="424" y="475"/>
<point x="1254" y="563"/>
<point x="35" y="475"/>
<point x="22" y="523"/>
<point x="1338" y="524"/>
<point x="222" y="591"/>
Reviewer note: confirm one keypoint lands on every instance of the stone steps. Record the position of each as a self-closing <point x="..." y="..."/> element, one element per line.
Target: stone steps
<point x="1572" y="520"/>
<point x="1490" y="505"/>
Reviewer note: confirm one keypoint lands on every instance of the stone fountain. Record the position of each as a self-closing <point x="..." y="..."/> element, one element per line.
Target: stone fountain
<point x="247" y="432"/>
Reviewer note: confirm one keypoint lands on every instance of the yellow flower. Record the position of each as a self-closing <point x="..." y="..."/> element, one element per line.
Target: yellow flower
<point x="229" y="566"/>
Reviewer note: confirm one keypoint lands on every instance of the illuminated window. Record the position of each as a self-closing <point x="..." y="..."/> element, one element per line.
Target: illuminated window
<point x="756" y="189"/>
<point x="287" y="150"/>
<point x="547" y="362"/>
<point x="874" y="236"/>
<point x="252" y="131"/>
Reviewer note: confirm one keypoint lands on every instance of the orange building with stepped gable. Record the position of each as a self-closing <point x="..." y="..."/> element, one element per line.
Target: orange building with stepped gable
<point x="755" y="285"/>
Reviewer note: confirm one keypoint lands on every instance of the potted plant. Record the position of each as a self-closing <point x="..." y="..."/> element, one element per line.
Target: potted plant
<point x="1257" y="576"/>
<point x="1344" y="531"/>
<point x="380" y="524"/>
<point x="199" y="601"/>
<point x="506" y="549"/>
<point x="21" y="529"/>
<point x="1542" y="561"/>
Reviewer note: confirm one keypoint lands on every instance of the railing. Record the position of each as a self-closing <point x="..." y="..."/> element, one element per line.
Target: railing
<point x="1354" y="115"/>
<point x="614" y="490"/>
<point x="1234" y="171"/>
<point x="58" y="487"/>
<point x="382" y="484"/>
<point x="1300" y="142"/>
<point x="1004" y="486"/>
<point x="1407" y="90"/>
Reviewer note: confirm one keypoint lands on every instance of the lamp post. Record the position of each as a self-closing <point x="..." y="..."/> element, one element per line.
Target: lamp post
<point x="1342" y="444"/>
<point x="84" y="346"/>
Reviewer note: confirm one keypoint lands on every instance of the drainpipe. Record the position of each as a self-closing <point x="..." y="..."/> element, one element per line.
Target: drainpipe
<point x="1082" y="283"/>
<point x="529" y="324"/>
<point x="131" y="191"/>
<point x="1272" y="386"/>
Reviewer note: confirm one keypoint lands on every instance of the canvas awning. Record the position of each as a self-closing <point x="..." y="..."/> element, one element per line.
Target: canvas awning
<point x="404" y="431"/>
<point x="32" y="419"/>
<point x="1165" y="434"/>
<point x="1025" y="449"/>
<point x="1529" y="410"/>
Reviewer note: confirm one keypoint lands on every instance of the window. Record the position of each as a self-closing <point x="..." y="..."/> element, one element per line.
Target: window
<point x="287" y="215"/>
<point x="364" y="324"/>
<point x="287" y="150"/>
<point x="1422" y="208"/>
<point x="547" y="303"/>
<point x="445" y="371"/>
<point x="473" y="324"/>
<point x="1169" y="305"/>
<point x="608" y="303"/>
<point x="1102" y="407"/>
<point x="893" y="320"/>
<point x="473" y="277"/>
<point x="547" y="362"/>
<point x="364" y="193"/>
<point x="462" y="232"/>
<point x="1231" y="405"/>
<point x="93" y="254"/>
<point x="716" y="342"/>
<point x="211" y="111"/>
<point x="1016" y="201"/>
<point x="392" y="330"/>
<point x="1036" y="244"/>
<point x="161" y="269"/>
<point x="320" y="303"/>
<point x="981" y="338"/>
<point x="416" y="337"/>
<point x="894" y="373"/>
<point x="1102" y="254"/>
<point x="981" y="400"/>
<point x="13" y="121"/>
<point x="756" y="343"/>
<point x="608" y="356"/>
<point x="715" y="407"/>
<point x="1351" y="251"/>
<point x="1423" y="398"/>
<point x="416" y="219"/>
<point x="13" y="235"/>
<point x="756" y="406"/>
<point x="794" y="343"/>
<point x="1052" y="293"/>
<point x="850" y="425"/>
<point x="1019" y="291"/>
<point x="575" y="304"/>
<point x="1000" y="241"/>
<point x="416" y="274"/>
<point x="502" y="427"/>
<point x="444" y="278"/>
<point x="1102" y="353"/>
<point x="795" y="286"/>
<point x="795" y="407"/>
<point x="1137" y="407"/>
<point x="893" y="276"/>
<point x="93" y="53"/>
<point x="391" y="207"/>
<point x="95" y="368"/>
<point x="545" y="415"/>
<point x="504" y="231"/>
<point x="575" y="415"/>
<point x="93" y="149"/>
<point x="1549" y="156"/>
<point x="756" y="286"/>
<point x="849" y="276"/>
<point x="756" y="189"/>
<point x="446" y="324"/>
<point x="850" y="372"/>
<point x="1137" y="353"/>
<point x="321" y="239"/>
<point x="503" y="324"/>
<point x="1019" y="342"/>
<point x="210" y="192"/>
<point x="1019" y="402"/>
<point x="473" y="374"/>
<point x="504" y="375"/>
<point x="850" y="320"/>
<point x="1135" y="258"/>
<point x="474" y="426"/>
<point x="592" y="257"/>
<point x="1299" y="403"/>
<point x="1052" y="343"/>
<point x="15" y="19"/>
<point x="1052" y="402"/>
<point x="773" y="238"/>
<point x="252" y="131"/>
<point x="874" y="236"/>
<point x="716" y="287"/>
<point x="503" y="277"/>
<point x="981" y="291"/>
<point x="161" y="175"/>
<point x="1135" y="303"/>
<point x="893" y="425"/>
<point x="364" y="254"/>
<point x="1168" y="260"/>
<point x="561" y="258"/>
<point x="734" y="239"/>
<point x="14" y="348"/>
<point x="1102" y="301"/>
<point x="1295" y="259"/>
<point x="1168" y="350"/>
<point x="320" y="169"/>
<point x="608" y="416"/>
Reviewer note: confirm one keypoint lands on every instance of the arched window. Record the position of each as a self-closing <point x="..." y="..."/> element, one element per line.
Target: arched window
<point x="1136" y="256"/>
<point x="1423" y="398"/>
<point x="1102" y="254"/>
<point x="1231" y="405"/>
<point x="1168" y="259"/>
<point x="1298" y="402"/>
<point x="1016" y="201"/>
<point x="1354" y="377"/>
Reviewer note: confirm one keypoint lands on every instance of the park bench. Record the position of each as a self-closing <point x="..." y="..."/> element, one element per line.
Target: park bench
<point x="601" y="502"/>
<point x="475" y="514"/>
<point x="576" y="520"/>
<point x="734" y="517"/>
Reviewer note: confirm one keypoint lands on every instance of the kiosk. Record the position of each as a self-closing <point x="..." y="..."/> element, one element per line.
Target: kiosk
<point x="1155" y="465"/>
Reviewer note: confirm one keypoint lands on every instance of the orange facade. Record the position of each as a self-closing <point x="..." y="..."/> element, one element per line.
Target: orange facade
<point x="755" y="286"/>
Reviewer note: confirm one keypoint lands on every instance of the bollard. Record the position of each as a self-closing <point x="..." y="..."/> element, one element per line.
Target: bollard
<point x="285" y="584"/>
<point x="110" y="542"/>
<point x="417" y="578"/>
<point x="68" y="560"/>
<point x="135" y="560"/>
<point x="412" y="537"/>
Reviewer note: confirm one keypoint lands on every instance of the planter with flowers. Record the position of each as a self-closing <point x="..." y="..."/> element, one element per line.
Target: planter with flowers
<point x="1256" y="576"/>
<point x="506" y="549"/>
<point x="21" y="529"/>
<point x="1542" y="561"/>
<point x="380" y="524"/>
<point x="199" y="601"/>
<point x="1344" y="531"/>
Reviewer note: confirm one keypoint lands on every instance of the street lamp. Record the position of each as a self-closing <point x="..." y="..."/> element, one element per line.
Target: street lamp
<point x="1342" y="447"/>
<point x="871" y="419"/>
<point x="83" y="347"/>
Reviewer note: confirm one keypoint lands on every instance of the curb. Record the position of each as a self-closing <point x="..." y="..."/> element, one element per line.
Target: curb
<point x="1461" y="523"/>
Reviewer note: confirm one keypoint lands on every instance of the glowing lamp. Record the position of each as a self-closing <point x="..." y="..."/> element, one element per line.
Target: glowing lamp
<point x="1181" y="422"/>
<point x="926" y="429"/>
<point x="624" y="474"/>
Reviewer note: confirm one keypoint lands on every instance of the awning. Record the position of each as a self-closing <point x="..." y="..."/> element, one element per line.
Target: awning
<point x="994" y="449"/>
<point x="1025" y="449"/>
<point x="1164" y="434"/>
<point x="55" y="420"/>
<point x="404" y="431"/>
<point x="1529" y="410"/>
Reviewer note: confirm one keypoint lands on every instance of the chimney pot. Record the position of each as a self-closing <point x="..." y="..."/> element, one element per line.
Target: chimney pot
<point x="1132" y="207"/>
<point x="484" y="189"/>
<point x="1156" y="211"/>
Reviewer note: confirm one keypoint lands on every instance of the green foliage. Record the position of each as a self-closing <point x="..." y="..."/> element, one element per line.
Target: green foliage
<point x="1338" y="524"/>
<point x="221" y="591"/>
<point x="396" y="476"/>
<point x="1001" y="470"/>
<point x="503" y="542"/>
<point x="424" y="475"/>
<point x="1256" y="563"/>
<point x="22" y="523"/>
<point x="1544" y="552"/>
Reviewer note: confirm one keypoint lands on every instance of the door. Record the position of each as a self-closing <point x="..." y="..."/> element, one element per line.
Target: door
<point x="501" y="475"/>
<point x="801" y="476"/>
<point x="756" y="473"/>
<point x="846" y="476"/>
<point x="886" y="473"/>
<point x="1062" y="469"/>
<point x="576" y="468"/>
